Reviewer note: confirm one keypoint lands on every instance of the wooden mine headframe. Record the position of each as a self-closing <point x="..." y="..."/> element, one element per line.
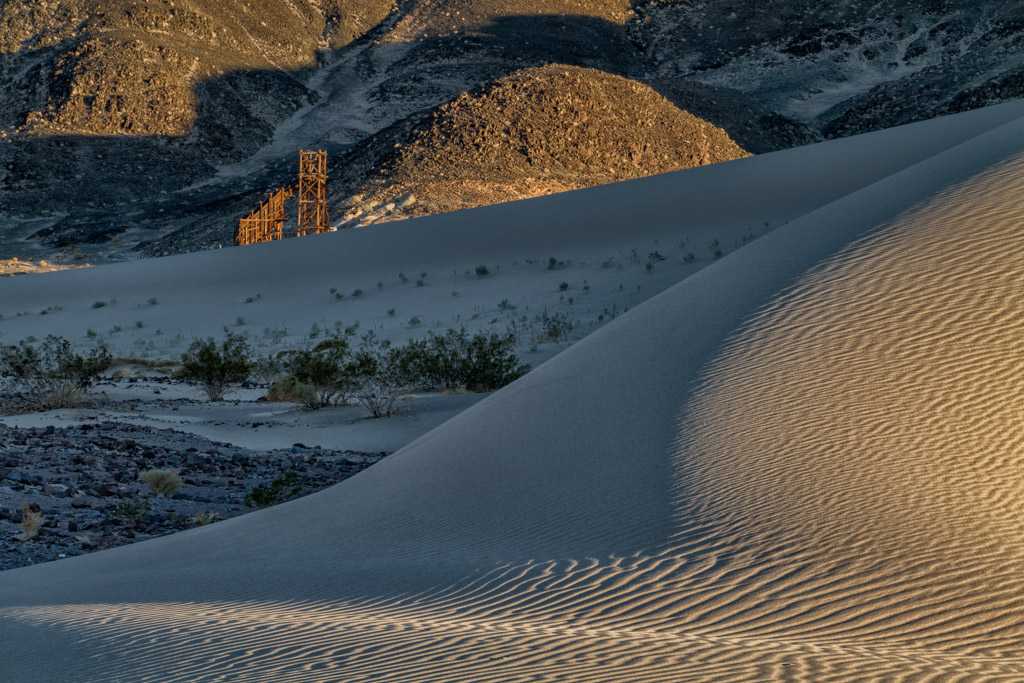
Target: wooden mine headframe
<point x="266" y="223"/>
<point x="313" y="213"/>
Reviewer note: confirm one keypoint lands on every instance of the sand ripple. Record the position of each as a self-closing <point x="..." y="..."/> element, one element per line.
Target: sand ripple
<point x="849" y="506"/>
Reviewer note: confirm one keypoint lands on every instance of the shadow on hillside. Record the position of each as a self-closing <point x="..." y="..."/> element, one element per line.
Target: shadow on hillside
<point x="102" y="187"/>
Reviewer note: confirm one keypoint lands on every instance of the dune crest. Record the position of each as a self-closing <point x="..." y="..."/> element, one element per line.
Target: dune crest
<point x="801" y="463"/>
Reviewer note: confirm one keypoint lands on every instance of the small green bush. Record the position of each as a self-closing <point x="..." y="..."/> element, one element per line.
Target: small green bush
<point x="482" y="362"/>
<point x="51" y="374"/>
<point x="281" y="489"/>
<point x="326" y="368"/>
<point x="130" y="512"/>
<point x="216" y="367"/>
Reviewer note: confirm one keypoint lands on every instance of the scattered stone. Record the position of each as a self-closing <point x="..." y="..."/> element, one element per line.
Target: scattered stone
<point x="85" y="478"/>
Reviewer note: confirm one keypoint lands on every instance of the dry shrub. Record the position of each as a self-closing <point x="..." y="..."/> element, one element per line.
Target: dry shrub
<point x="31" y="521"/>
<point x="161" y="482"/>
<point x="291" y="390"/>
<point x="205" y="518"/>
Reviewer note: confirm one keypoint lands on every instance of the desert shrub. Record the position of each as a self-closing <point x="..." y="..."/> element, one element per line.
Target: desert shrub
<point x="268" y="368"/>
<point x="161" y="482"/>
<point x="482" y="271"/>
<point x="205" y="518"/>
<point x="281" y="489"/>
<point x="554" y="327"/>
<point x="482" y="362"/>
<point x="287" y="389"/>
<point x="382" y="374"/>
<point x="31" y="521"/>
<point x="130" y="512"/>
<point x="216" y="367"/>
<point x="326" y="369"/>
<point x="51" y="374"/>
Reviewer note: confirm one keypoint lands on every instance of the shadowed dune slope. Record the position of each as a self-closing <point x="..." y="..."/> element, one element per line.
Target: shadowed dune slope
<point x="801" y="463"/>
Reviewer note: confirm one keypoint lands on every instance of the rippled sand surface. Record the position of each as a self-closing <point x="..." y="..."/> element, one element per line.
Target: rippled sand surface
<point x="813" y="472"/>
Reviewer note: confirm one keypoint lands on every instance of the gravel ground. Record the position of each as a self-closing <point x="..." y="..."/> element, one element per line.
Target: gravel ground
<point x="84" y="481"/>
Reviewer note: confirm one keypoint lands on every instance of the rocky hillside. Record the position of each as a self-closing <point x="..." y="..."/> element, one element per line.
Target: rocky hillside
<point x="846" y="67"/>
<point x="496" y="145"/>
<point x="148" y="126"/>
<point x="156" y="67"/>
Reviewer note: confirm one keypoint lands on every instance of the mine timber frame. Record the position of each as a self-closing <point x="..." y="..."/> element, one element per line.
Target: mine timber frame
<point x="266" y="223"/>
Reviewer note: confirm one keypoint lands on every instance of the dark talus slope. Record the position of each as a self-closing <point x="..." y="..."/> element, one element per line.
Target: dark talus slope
<point x="535" y="132"/>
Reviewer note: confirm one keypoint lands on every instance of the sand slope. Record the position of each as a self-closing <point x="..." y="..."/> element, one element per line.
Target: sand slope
<point x="800" y="463"/>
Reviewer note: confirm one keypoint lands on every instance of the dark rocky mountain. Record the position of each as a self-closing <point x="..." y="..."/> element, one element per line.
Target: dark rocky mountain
<point x="140" y="127"/>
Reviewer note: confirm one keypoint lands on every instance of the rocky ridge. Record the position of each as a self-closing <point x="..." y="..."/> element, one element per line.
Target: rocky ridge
<point x="171" y="118"/>
<point x="495" y="145"/>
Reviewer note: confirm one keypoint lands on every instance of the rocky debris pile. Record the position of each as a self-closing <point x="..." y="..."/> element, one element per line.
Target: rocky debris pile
<point x="537" y="131"/>
<point x="81" y="485"/>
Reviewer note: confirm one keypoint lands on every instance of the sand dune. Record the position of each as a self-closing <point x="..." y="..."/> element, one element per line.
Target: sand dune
<point x="801" y="463"/>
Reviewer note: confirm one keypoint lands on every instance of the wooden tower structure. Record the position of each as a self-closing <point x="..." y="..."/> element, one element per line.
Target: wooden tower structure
<point x="313" y="213"/>
<point x="266" y="223"/>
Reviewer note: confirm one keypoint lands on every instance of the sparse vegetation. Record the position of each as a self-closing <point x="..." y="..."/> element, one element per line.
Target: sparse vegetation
<point x="130" y="511"/>
<point x="323" y="375"/>
<point x="205" y="518"/>
<point x="52" y="375"/>
<point x="377" y="373"/>
<point x="382" y="374"/>
<point x="215" y="367"/>
<point x="161" y="482"/>
<point x="481" y="362"/>
<point x="268" y="368"/>
<point x="281" y="489"/>
<point x="555" y="327"/>
<point x="31" y="521"/>
<point x="482" y="271"/>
